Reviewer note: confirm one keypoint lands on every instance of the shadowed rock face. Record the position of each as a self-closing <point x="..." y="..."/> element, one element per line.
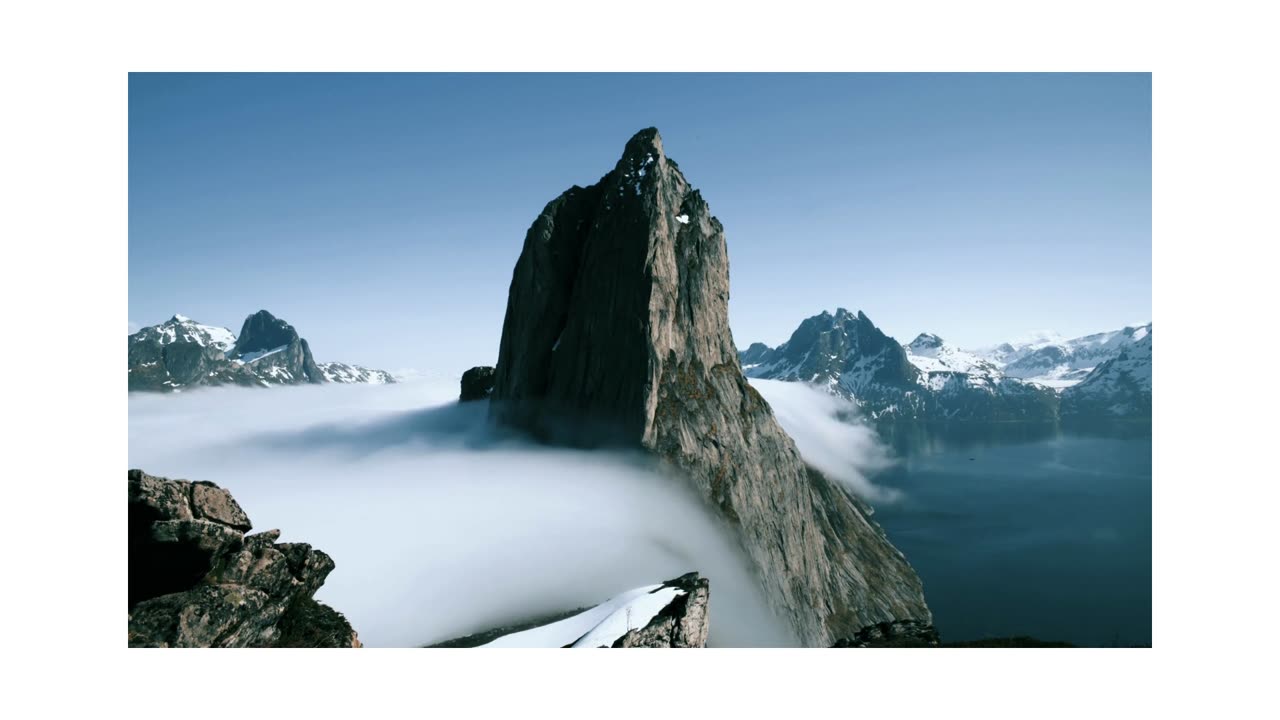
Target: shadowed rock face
<point x="617" y="334"/>
<point x="196" y="580"/>
<point x="263" y="332"/>
<point x="476" y="384"/>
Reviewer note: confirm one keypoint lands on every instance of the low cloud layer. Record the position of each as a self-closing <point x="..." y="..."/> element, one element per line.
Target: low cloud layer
<point x="442" y="526"/>
<point x="439" y="526"/>
<point x="829" y="436"/>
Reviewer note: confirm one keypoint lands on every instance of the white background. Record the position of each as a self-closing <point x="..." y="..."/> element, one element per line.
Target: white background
<point x="63" y="275"/>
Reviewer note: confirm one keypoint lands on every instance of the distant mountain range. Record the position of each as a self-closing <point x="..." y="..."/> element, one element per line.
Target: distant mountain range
<point x="182" y="353"/>
<point x="1105" y="375"/>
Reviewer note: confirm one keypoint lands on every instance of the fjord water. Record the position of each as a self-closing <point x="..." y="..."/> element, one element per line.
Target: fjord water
<point x="1026" y="530"/>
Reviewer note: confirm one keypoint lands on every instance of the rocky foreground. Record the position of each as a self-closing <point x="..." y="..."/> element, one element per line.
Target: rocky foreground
<point x="197" y="580"/>
<point x="617" y="335"/>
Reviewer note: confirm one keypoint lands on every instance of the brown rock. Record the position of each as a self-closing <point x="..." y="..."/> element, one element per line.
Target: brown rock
<point x="617" y="334"/>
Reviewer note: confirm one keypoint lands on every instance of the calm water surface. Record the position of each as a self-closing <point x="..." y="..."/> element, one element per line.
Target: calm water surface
<point x="1043" y="532"/>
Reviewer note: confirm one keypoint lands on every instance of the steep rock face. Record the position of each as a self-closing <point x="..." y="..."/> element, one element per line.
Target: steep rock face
<point x="900" y="634"/>
<point x="196" y="580"/>
<point x="277" y="349"/>
<point x="617" y="334"/>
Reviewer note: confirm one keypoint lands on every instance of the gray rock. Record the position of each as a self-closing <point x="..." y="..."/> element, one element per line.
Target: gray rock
<point x="616" y="334"/>
<point x="212" y="502"/>
<point x="477" y="384"/>
<point x="195" y="580"/>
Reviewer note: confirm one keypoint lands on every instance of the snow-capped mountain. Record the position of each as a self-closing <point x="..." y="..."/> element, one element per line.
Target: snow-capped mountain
<point x="344" y="373"/>
<point x="181" y="353"/>
<point x="850" y="356"/>
<point x="930" y="379"/>
<point x="931" y="354"/>
<point x="927" y="379"/>
<point x="1060" y="363"/>
<point x="1119" y="387"/>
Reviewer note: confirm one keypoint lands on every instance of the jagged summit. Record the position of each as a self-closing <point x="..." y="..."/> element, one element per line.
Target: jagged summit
<point x="264" y="331"/>
<point x="617" y="333"/>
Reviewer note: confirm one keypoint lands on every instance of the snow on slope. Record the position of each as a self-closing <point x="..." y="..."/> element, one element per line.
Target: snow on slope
<point x="1055" y="362"/>
<point x="600" y="626"/>
<point x="181" y="328"/>
<point x="344" y="373"/>
<point x="935" y="359"/>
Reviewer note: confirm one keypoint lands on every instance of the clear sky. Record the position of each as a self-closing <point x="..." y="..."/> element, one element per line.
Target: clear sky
<point x="382" y="215"/>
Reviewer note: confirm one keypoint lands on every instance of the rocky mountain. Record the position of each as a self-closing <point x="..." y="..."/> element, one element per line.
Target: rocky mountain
<point x="1056" y="362"/>
<point x="181" y="353"/>
<point x="1118" y="388"/>
<point x="616" y="334"/>
<point x="197" y="580"/>
<point x="851" y="357"/>
<point x="927" y="379"/>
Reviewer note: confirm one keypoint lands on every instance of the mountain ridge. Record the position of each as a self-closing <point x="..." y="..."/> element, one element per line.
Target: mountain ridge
<point x="182" y="353"/>
<point x="947" y="383"/>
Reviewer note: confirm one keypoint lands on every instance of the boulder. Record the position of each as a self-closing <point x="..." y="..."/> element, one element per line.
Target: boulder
<point x="477" y="383"/>
<point x="196" y="580"/>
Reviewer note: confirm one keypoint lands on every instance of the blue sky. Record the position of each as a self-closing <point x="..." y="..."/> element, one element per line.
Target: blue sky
<point x="382" y="214"/>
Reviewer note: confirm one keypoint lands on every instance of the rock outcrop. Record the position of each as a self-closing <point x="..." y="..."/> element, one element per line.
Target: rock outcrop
<point x="477" y="384"/>
<point x="681" y="624"/>
<point x="902" y="633"/>
<point x="196" y="579"/>
<point x="617" y="334"/>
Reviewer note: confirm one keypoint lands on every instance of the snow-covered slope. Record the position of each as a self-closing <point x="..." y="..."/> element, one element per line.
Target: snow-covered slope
<point x="670" y="614"/>
<point x="182" y="329"/>
<point x="344" y="373"/>
<point x="600" y="626"/>
<point x="931" y="354"/>
<point x="1061" y="363"/>
<point x="1119" y="387"/>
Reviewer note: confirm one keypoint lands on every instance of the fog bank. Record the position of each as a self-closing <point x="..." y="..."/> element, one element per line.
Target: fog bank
<point x="440" y="526"/>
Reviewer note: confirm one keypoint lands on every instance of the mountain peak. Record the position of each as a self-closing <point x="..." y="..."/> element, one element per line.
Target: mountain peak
<point x="617" y="333"/>
<point x="925" y="341"/>
<point x="646" y="142"/>
<point x="264" y="331"/>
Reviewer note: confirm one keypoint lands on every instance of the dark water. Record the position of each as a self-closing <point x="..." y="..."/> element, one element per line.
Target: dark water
<point x="1019" y="530"/>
